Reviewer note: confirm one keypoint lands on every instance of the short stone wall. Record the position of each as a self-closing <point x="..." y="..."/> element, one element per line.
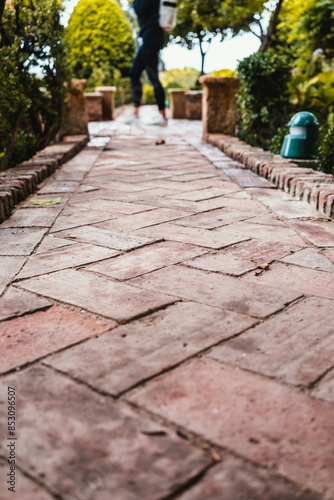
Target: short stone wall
<point x="17" y="183"/>
<point x="193" y="102"/>
<point x="297" y="177"/>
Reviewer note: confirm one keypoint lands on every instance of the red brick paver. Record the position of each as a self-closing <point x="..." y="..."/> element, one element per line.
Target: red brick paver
<point x="152" y="357"/>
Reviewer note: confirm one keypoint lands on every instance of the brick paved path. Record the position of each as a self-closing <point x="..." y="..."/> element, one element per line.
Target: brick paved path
<point x="151" y="357"/>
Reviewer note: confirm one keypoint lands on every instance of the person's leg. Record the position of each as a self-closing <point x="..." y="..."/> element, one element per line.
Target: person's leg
<point x="151" y="47"/>
<point x="138" y="67"/>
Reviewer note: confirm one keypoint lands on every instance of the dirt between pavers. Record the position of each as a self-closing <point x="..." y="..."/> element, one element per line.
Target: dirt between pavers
<point x="285" y="173"/>
<point x="19" y="182"/>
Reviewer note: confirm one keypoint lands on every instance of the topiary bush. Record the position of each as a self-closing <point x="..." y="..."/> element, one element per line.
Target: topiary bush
<point x="263" y="97"/>
<point x="326" y="150"/>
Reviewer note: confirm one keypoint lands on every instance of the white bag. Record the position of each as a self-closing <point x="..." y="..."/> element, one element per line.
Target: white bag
<point x="168" y="11"/>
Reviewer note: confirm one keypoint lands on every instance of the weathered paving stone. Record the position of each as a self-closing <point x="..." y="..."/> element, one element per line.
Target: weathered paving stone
<point x="106" y="238"/>
<point x="234" y="479"/>
<point x="191" y="235"/>
<point x="18" y="241"/>
<point x="325" y="388"/>
<point x="320" y="234"/>
<point x="296" y="346"/>
<point x="217" y="290"/>
<point x="33" y="336"/>
<point x="145" y="260"/>
<point x="111" y="449"/>
<point x="244" y="230"/>
<point x="312" y="258"/>
<point x="97" y="294"/>
<point x="206" y="193"/>
<point x="52" y="187"/>
<point x="17" y="302"/>
<point x="300" y="279"/>
<point x="267" y="220"/>
<point x="113" y="207"/>
<point x="247" y="178"/>
<point x="32" y="217"/>
<point x="64" y="257"/>
<point x="24" y="488"/>
<point x="115" y="362"/>
<point x="257" y="418"/>
<point x="144" y="219"/>
<point x="73" y="217"/>
<point x="51" y="242"/>
<point x="9" y="267"/>
<point x="240" y="258"/>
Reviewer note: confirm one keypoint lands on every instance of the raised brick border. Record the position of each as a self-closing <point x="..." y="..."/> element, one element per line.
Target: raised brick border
<point x="17" y="183"/>
<point x="307" y="184"/>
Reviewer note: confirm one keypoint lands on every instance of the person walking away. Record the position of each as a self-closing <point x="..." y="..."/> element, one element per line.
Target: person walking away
<point x="147" y="58"/>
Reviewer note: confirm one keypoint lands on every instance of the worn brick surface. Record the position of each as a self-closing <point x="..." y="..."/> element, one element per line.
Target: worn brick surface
<point x="240" y="258"/>
<point x="115" y="362"/>
<point x="191" y="235"/>
<point x="17" y="302"/>
<point x="297" y="346"/>
<point x="16" y="241"/>
<point x="290" y="277"/>
<point x="320" y="234"/>
<point x="236" y="480"/>
<point x="217" y="290"/>
<point x="97" y="294"/>
<point x="257" y="418"/>
<point x="25" y="488"/>
<point x="145" y="260"/>
<point x="312" y="258"/>
<point x="113" y="207"/>
<point x="73" y="217"/>
<point x="325" y="388"/>
<point x="9" y="267"/>
<point x="86" y="446"/>
<point x="145" y="219"/>
<point x="245" y="231"/>
<point x="31" y="217"/>
<point x="64" y="257"/>
<point x="30" y="337"/>
<point x="106" y="238"/>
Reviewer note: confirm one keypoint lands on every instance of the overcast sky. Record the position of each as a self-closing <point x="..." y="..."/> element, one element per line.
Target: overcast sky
<point x="221" y="55"/>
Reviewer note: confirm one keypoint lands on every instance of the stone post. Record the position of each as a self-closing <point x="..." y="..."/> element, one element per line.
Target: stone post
<point x="94" y="106"/>
<point x="107" y="101"/>
<point x="220" y="114"/>
<point x="194" y="100"/>
<point x="75" y="119"/>
<point x="177" y="103"/>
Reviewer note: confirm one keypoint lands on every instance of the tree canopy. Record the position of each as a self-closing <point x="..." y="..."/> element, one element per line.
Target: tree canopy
<point x="199" y="21"/>
<point x="100" y="36"/>
<point x="33" y="69"/>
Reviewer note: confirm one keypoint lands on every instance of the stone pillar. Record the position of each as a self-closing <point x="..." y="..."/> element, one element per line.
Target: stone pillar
<point x="75" y="120"/>
<point x="194" y="100"/>
<point x="177" y="103"/>
<point x="94" y="106"/>
<point x="220" y="114"/>
<point x="107" y="101"/>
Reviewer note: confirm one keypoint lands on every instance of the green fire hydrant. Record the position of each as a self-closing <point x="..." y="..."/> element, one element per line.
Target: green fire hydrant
<point x="302" y="140"/>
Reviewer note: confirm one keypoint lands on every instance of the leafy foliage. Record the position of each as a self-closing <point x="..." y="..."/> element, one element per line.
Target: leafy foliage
<point x="101" y="41"/>
<point x="180" y="78"/>
<point x="326" y="150"/>
<point x="263" y="96"/>
<point x="33" y="69"/>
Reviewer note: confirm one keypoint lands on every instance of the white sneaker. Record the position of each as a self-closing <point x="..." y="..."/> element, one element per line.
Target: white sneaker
<point x="129" y="119"/>
<point x="158" y="120"/>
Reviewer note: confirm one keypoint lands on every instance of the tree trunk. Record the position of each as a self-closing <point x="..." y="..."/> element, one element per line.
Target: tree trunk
<point x="9" y="149"/>
<point x="272" y="26"/>
<point x="203" y="54"/>
<point x="2" y="8"/>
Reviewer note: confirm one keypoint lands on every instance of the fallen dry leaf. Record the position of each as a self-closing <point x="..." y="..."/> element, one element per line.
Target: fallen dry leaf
<point x="159" y="142"/>
<point x="54" y="201"/>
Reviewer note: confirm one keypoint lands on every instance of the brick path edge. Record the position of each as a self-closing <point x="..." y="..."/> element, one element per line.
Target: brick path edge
<point x="301" y="181"/>
<point x="19" y="182"/>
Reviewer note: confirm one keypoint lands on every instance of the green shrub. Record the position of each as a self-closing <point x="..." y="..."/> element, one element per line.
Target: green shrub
<point x="326" y="150"/>
<point x="277" y="141"/>
<point x="25" y="147"/>
<point x="148" y="94"/>
<point x="263" y="97"/>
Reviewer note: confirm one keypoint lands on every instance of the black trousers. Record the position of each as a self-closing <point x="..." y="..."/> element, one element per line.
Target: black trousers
<point x="147" y="59"/>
